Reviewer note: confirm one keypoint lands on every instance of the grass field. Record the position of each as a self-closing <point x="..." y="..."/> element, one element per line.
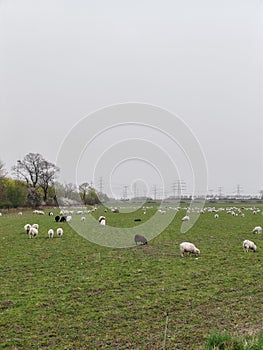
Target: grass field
<point x="68" y="293"/>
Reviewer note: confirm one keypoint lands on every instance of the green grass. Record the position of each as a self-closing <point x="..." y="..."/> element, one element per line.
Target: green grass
<point x="67" y="293"/>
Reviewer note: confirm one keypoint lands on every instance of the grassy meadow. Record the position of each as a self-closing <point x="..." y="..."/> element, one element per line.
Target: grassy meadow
<point x="68" y="293"/>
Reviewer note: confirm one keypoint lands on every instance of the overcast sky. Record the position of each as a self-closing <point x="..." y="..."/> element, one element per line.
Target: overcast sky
<point x="201" y="60"/>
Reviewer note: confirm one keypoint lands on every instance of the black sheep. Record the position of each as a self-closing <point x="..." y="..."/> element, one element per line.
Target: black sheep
<point x="140" y="239"/>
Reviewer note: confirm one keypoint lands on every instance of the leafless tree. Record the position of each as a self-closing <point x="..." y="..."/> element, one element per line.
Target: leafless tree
<point x="36" y="171"/>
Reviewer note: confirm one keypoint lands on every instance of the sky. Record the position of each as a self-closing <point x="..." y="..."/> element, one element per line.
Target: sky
<point x="63" y="62"/>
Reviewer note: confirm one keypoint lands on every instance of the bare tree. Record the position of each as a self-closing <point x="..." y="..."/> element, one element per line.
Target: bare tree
<point x="29" y="169"/>
<point x="47" y="176"/>
<point x="36" y="171"/>
<point x="83" y="191"/>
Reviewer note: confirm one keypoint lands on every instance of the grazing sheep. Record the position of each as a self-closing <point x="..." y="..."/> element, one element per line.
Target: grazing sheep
<point x="140" y="239"/>
<point x="35" y="226"/>
<point x="27" y="228"/>
<point x="162" y="211"/>
<point x="50" y="233"/>
<point x="216" y="216"/>
<point x="187" y="247"/>
<point x="63" y="219"/>
<point x="115" y="210"/>
<point x="59" y="232"/>
<point x="249" y="245"/>
<point x="39" y="212"/>
<point x="83" y="218"/>
<point x="102" y="220"/>
<point x="185" y="218"/>
<point x="33" y="232"/>
<point x="20" y="213"/>
<point x="57" y="218"/>
<point x="257" y="229"/>
<point x="68" y="218"/>
<point x="50" y="213"/>
<point x="1" y="214"/>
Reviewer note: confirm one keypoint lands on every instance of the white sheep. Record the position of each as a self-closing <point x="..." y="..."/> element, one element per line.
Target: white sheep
<point x="20" y="213"/>
<point x="247" y="245"/>
<point x="35" y="226"/>
<point x="257" y="229"/>
<point x="68" y="218"/>
<point x="102" y="220"/>
<point x="83" y="218"/>
<point x="185" y="218"/>
<point x="187" y="247"/>
<point x="33" y="232"/>
<point x="27" y="228"/>
<point x="216" y="216"/>
<point x="59" y="232"/>
<point x="1" y="214"/>
<point x="50" y="233"/>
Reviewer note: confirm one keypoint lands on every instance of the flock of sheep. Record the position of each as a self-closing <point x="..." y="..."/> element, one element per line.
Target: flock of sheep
<point x="185" y="247"/>
<point x="32" y="231"/>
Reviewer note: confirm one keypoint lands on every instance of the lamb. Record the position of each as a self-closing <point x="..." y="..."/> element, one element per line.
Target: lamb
<point x="216" y="216"/>
<point x="50" y="233"/>
<point x="83" y="218"/>
<point x="249" y="245"/>
<point x="185" y="218"/>
<point x="57" y="218"/>
<point x="35" y="226"/>
<point x="257" y="229"/>
<point x="27" y="228"/>
<point x="33" y="232"/>
<point x="59" y="232"/>
<point x="140" y="239"/>
<point x="102" y="220"/>
<point x="187" y="247"/>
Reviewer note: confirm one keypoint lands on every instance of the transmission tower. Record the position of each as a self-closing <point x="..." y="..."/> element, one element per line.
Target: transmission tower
<point x="178" y="187"/>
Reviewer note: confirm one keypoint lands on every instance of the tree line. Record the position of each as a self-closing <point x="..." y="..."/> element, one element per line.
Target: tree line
<point x="33" y="183"/>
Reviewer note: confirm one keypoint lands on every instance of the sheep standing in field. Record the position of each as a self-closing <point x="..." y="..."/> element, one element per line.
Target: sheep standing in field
<point x="249" y="245"/>
<point x="50" y="233"/>
<point x="140" y="239"/>
<point x="0" y="214"/>
<point x="185" y="218"/>
<point x="216" y="216"/>
<point x="50" y="213"/>
<point x="63" y="219"/>
<point x="35" y="226"/>
<point x="68" y="218"/>
<point x="20" y="213"/>
<point x="187" y="247"/>
<point x="57" y="218"/>
<point x="27" y="228"/>
<point x="257" y="229"/>
<point x="59" y="232"/>
<point x="83" y="218"/>
<point x="102" y="220"/>
<point x="33" y="232"/>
